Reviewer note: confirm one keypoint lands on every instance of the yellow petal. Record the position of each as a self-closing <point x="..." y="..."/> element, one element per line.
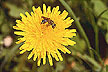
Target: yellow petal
<point x="64" y="14"/>
<point x="55" y="56"/>
<point x="44" y="58"/>
<point x="19" y="33"/>
<point x="30" y="55"/>
<point x="21" y="52"/>
<point x="59" y="55"/>
<point x="35" y="56"/>
<point x="50" y="59"/>
<point x="44" y="9"/>
<point x="39" y="59"/>
<point x="49" y="9"/>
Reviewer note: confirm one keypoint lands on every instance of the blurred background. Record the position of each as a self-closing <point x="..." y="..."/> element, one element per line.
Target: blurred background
<point x="90" y="54"/>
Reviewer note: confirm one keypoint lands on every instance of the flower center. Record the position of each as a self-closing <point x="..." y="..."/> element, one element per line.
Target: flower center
<point x="45" y="28"/>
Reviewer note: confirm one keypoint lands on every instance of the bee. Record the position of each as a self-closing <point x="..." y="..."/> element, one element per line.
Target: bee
<point x="50" y="22"/>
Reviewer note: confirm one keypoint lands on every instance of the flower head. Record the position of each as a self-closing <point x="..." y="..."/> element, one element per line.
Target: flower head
<point x="44" y="33"/>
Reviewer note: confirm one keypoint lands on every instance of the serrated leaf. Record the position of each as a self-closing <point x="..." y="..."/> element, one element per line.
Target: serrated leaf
<point x="14" y="10"/>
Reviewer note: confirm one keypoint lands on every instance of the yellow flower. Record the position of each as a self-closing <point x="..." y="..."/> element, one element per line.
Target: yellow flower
<point x="45" y="39"/>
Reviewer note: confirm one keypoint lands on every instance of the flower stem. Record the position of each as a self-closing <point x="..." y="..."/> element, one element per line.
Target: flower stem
<point x="93" y="23"/>
<point x="78" y="25"/>
<point x="96" y="38"/>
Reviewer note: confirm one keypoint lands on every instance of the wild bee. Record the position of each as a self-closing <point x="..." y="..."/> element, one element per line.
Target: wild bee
<point x="50" y="22"/>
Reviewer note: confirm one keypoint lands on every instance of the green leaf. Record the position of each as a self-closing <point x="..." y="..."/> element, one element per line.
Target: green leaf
<point x="99" y="6"/>
<point x="14" y="10"/>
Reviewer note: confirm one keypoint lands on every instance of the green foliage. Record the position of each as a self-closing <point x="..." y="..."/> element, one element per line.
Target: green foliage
<point x="87" y="14"/>
<point x="14" y="10"/>
<point x="100" y="7"/>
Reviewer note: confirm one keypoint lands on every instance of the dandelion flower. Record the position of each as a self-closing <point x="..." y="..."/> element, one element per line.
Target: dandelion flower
<point x="45" y="34"/>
